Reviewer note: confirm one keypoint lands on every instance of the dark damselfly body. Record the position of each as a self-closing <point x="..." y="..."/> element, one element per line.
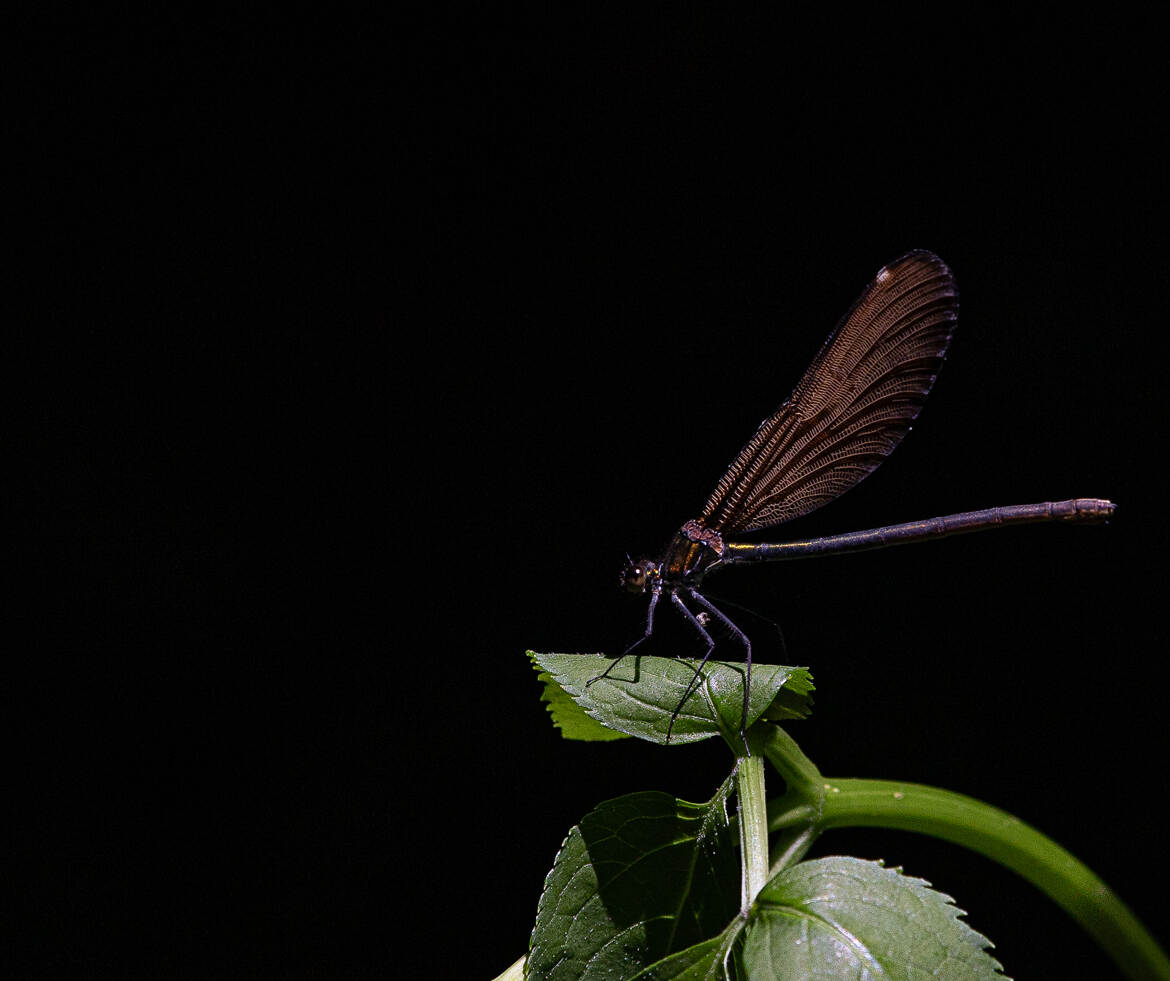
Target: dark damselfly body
<point x="854" y="404"/>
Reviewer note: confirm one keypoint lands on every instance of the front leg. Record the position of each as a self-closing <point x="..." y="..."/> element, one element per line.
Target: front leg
<point x="654" y="595"/>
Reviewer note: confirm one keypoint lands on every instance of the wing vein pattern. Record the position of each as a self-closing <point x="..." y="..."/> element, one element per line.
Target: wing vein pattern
<point x="854" y="404"/>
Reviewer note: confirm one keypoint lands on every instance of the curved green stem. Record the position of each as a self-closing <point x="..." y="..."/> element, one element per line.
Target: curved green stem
<point x="800" y="774"/>
<point x="1007" y="840"/>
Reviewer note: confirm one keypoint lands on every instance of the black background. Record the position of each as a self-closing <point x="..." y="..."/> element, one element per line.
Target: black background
<point x="356" y="355"/>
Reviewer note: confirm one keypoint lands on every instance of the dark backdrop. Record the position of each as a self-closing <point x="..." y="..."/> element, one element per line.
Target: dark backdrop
<point x="355" y="357"/>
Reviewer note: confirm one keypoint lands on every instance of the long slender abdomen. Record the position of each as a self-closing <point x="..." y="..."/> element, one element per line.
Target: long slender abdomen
<point x="1081" y="510"/>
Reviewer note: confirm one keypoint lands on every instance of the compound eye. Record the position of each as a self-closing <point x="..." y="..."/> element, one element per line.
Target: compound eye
<point x="636" y="576"/>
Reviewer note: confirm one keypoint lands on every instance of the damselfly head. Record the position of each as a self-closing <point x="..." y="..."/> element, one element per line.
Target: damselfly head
<point x="638" y="576"/>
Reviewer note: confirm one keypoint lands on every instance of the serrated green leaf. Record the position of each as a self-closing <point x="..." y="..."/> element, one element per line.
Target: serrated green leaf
<point x="840" y="918"/>
<point x="640" y="694"/>
<point x="640" y="878"/>
<point x="569" y="717"/>
<point x="702" y="962"/>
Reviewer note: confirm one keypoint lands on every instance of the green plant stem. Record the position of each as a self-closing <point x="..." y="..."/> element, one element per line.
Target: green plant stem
<point x="753" y="827"/>
<point x="797" y="813"/>
<point x="1007" y="840"/>
<point x="799" y="773"/>
<point x="513" y="973"/>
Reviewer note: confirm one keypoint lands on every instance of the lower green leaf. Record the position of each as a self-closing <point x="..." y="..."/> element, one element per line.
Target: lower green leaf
<point x="840" y="918"/>
<point x="708" y="961"/>
<point x="640" y="878"/>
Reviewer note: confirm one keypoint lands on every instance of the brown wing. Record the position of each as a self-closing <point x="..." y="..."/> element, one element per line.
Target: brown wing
<point x="852" y="407"/>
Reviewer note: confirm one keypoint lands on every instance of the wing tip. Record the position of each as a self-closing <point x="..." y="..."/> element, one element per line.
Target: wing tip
<point x="923" y="256"/>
